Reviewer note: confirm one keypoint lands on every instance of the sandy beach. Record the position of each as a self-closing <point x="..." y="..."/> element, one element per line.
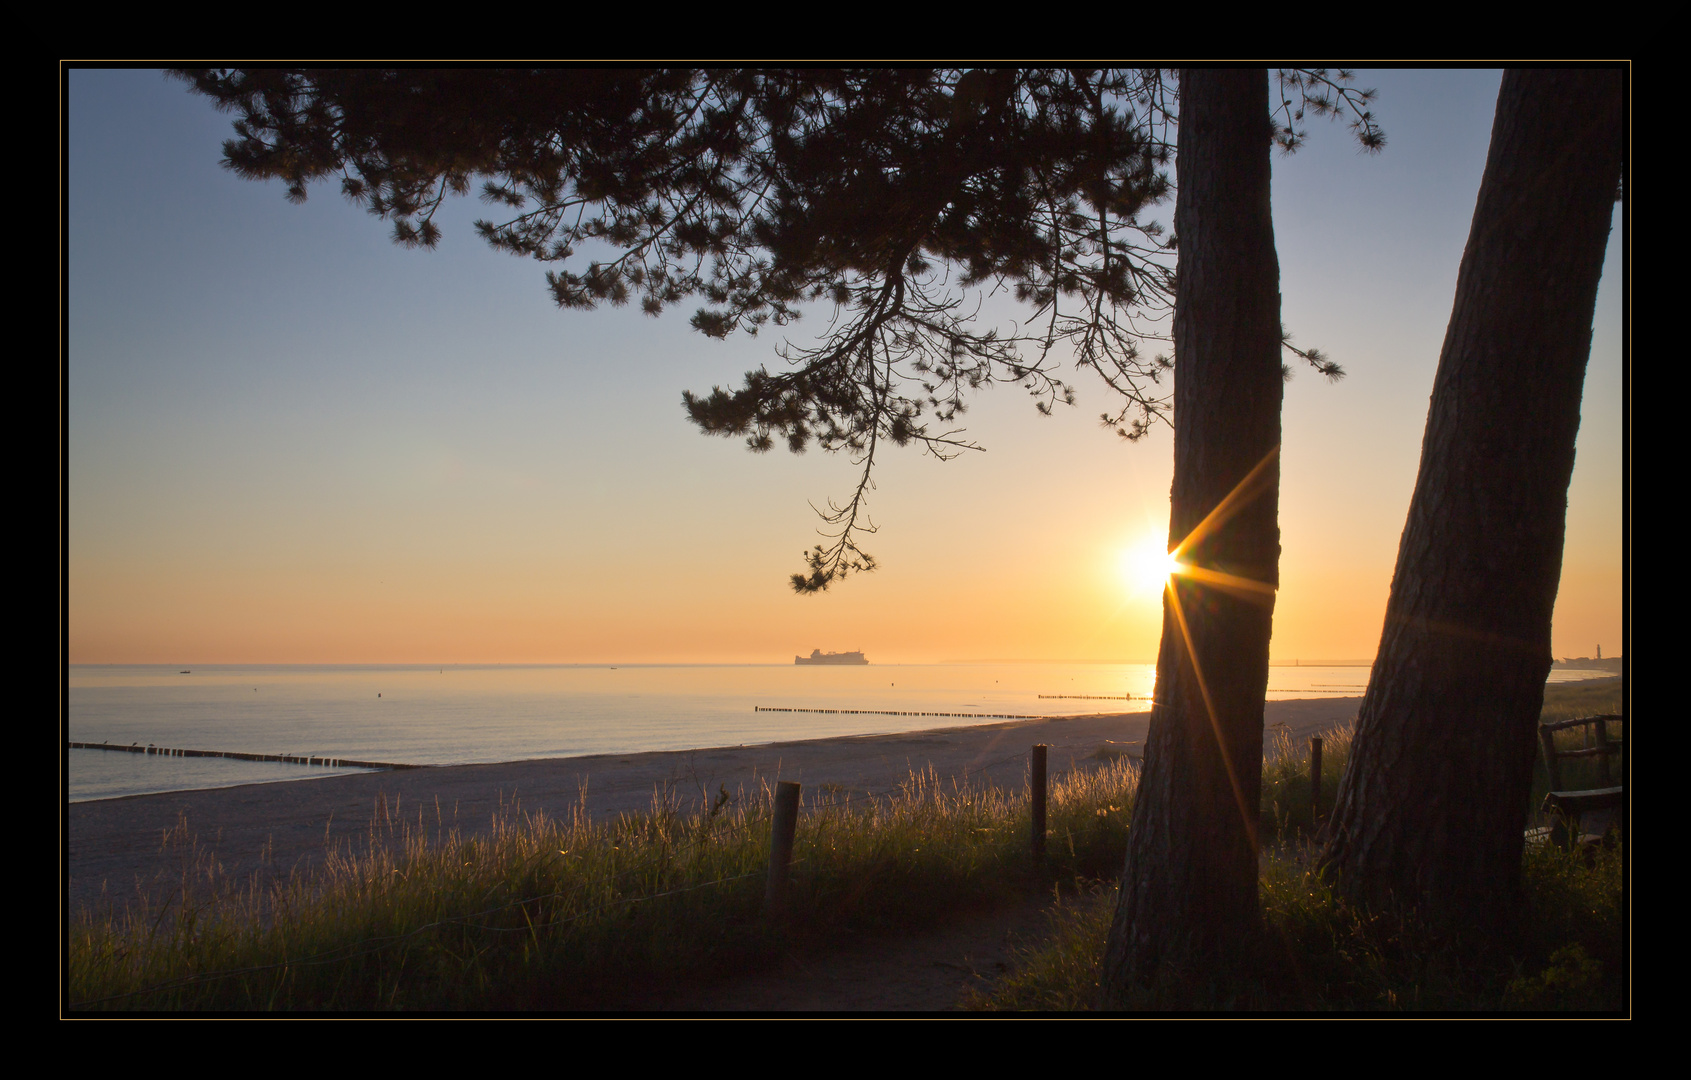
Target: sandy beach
<point x="114" y="845"/>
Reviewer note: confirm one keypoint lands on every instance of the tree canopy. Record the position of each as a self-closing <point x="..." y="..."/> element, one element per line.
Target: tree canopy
<point x="897" y="196"/>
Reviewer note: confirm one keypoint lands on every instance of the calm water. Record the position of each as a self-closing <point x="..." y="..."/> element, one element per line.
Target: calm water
<point x="453" y="715"/>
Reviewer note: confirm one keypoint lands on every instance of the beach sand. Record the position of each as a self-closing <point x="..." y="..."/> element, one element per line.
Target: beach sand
<point x="114" y="846"/>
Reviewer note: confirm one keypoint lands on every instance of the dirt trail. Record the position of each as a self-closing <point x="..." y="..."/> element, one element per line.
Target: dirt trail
<point x="937" y="971"/>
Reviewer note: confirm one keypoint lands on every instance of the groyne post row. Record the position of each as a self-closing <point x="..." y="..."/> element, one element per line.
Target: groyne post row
<point x="287" y="759"/>
<point x="892" y="712"/>
<point x="1092" y="697"/>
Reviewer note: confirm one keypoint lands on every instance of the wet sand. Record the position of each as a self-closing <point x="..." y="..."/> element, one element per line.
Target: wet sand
<point x="114" y="845"/>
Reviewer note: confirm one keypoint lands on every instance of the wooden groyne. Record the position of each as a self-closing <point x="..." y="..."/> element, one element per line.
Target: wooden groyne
<point x="286" y="759"/>
<point x="1093" y="697"/>
<point x="890" y="712"/>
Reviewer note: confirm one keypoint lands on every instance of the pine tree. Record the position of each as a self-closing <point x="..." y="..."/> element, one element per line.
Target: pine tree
<point x="1190" y="885"/>
<point x="1431" y="808"/>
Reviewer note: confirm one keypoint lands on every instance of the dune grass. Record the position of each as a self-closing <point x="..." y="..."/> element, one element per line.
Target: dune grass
<point x="544" y="913"/>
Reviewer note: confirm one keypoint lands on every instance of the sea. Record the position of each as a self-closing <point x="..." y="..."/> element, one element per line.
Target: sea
<point x="460" y="714"/>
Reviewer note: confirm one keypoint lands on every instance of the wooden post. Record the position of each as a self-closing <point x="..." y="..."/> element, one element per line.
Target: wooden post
<point x="1315" y="779"/>
<point x="1552" y="764"/>
<point x="1036" y="782"/>
<point x="1603" y="775"/>
<point x="781" y="840"/>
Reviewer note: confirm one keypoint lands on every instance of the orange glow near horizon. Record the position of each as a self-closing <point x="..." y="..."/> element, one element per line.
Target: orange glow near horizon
<point x="524" y="583"/>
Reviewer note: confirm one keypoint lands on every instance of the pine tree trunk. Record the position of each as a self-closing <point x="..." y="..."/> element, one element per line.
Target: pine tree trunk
<point x="1433" y="802"/>
<point x="1190" y="885"/>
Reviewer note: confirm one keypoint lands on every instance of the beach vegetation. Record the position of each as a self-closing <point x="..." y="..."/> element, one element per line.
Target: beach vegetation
<point x="568" y="913"/>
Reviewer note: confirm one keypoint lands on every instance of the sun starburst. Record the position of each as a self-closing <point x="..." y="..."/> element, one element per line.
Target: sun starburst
<point x="1255" y="483"/>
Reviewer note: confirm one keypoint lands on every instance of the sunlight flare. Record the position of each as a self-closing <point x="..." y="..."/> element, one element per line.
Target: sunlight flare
<point x="1174" y="567"/>
<point x="1147" y="566"/>
<point x="1258" y="480"/>
<point x="1245" y="814"/>
<point x="1243" y="587"/>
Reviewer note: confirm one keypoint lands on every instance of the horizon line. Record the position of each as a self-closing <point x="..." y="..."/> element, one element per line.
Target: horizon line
<point x="1318" y="662"/>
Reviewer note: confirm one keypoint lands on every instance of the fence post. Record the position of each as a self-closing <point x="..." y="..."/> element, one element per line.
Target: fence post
<point x="1036" y="781"/>
<point x="1603" y="774"/>
<point x="1315" y="779"/>
<point x="781" y="840"/>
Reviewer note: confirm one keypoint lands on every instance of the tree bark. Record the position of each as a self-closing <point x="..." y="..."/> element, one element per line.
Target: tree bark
<point x="1189" y="889"/>
<point x="1433" y="802"/>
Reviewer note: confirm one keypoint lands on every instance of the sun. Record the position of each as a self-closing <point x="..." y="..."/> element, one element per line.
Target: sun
<point x="1146" y="566"/>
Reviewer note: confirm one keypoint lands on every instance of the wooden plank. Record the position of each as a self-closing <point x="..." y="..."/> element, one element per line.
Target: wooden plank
<point x="1584" y="802"/>
<point x="1559" y="725"/>
<point x="1603" y="752"/>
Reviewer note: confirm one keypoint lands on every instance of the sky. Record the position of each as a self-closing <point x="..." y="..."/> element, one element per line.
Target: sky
<point x="291" y="441"/>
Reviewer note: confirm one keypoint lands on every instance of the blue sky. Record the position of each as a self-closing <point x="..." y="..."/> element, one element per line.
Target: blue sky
<point x="291" y="440"/>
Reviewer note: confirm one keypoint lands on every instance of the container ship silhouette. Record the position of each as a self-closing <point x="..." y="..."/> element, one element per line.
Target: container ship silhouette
<point x="817" y="656"/>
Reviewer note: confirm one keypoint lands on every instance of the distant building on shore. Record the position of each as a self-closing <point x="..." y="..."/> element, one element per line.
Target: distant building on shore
<point x="1615" y="664"/>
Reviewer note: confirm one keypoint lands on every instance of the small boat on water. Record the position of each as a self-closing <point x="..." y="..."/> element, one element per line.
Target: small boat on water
<point x="817" y="656"/>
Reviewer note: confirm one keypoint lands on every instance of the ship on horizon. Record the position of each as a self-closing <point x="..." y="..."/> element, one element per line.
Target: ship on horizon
<point x="817" y="656"/>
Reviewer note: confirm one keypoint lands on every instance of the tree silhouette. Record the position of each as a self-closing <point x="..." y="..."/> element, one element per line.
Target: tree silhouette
<point x="1433" y="801"/>
<point x="1189" y="889"/>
